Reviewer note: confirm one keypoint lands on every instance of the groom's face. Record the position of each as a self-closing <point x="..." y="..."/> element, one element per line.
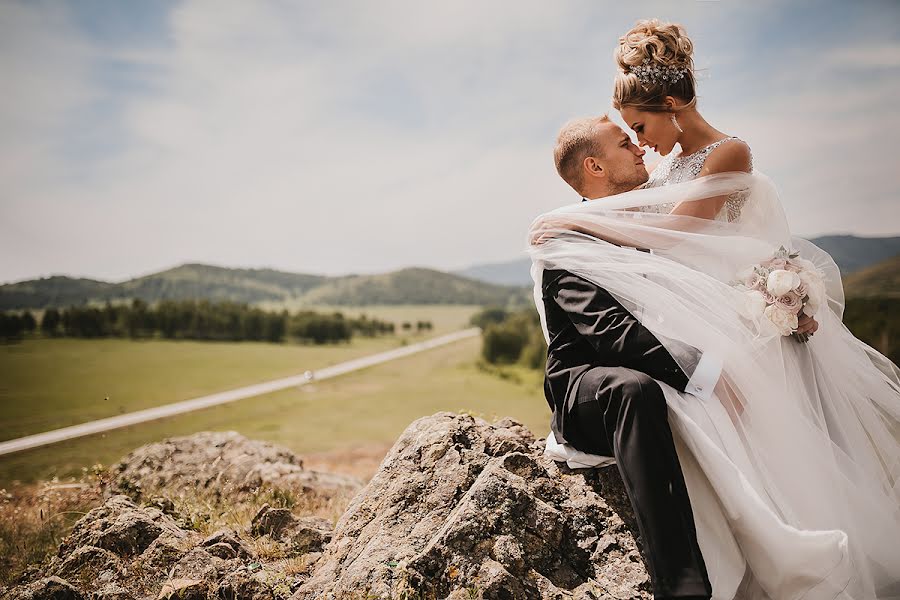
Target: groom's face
<point x="621" y="159"/>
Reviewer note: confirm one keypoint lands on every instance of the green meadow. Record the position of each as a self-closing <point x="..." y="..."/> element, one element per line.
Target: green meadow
<point x="54" y="383"/>
<point x="51" y="383"/>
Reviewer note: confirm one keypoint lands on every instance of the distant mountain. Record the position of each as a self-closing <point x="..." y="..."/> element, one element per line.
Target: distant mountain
<point x="413" y="286"/>
<point x="406" y="286"/>
<point x="850" y="252"/>
<point x="499" y="283"/>
<point x="194" y="280"/>
<point x="58" y="290"/>
<point x="882" y="279"/>
<point x="502" y="273"/>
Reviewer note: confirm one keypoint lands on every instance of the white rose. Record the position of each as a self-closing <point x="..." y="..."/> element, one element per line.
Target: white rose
<point x="813" y="274"/>
<point x="786" y="322"/>
<point x="780" y="282"/>
<point x="815" y="289"/>
<point x="755" y="302"/>
<point x="811" y="307"/>
<point x="746" y="273"/>
<point x="805" y="264"/>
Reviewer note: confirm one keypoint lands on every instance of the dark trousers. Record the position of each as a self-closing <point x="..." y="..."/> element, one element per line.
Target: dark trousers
<point x="622" y="413"/>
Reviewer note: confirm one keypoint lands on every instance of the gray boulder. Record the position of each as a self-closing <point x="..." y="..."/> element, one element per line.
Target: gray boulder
<point x="460" y="506"/>
<point x="47" y="588"/>
<point x="305" y="534"/>
<point x="123" y="551"/>
<point x="223" y="464"/>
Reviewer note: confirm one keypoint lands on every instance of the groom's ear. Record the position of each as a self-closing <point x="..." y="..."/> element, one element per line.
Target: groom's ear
<point x="593" y="167"/>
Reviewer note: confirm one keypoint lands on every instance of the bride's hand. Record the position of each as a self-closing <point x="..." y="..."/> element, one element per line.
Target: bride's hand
<point x="806" y="327"/>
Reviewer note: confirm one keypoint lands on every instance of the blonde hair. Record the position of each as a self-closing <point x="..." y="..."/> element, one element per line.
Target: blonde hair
<point x="660" y="44"/>
<point x="577" y="140"/>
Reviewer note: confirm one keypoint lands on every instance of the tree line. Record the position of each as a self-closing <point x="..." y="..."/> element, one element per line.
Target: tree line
<point x="516" y="337"/>
<point x="876" y="321"/>
<point x="197" y="320"/>
<point x="511" y="336"/>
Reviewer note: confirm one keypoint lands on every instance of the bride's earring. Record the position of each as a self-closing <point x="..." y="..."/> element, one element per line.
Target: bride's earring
<point x="677" y="126"/>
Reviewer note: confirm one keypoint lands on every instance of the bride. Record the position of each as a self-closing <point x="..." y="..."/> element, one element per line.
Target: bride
<point x="793" y="465"/>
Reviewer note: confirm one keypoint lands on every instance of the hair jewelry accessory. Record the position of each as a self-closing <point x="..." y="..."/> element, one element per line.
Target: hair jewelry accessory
<point x="648" y="73"/>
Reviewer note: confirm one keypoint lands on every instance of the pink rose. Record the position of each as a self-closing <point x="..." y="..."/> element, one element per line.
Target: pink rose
<point x="756" y="282"/>
<point x="789" y="302"/>
<point x="786" y="322"/>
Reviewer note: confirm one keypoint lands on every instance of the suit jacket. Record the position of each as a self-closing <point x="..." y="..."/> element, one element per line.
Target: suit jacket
<point x="588" y="328"/>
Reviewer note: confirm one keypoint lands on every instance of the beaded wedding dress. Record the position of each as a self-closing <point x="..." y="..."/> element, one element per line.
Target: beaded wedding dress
<point x="793" y="471"/>
<point x="675" y="169"/>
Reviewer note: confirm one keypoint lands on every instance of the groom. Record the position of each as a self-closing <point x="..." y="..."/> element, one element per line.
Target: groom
<point x="604" y="368"/>
<point x="602" y="372"/>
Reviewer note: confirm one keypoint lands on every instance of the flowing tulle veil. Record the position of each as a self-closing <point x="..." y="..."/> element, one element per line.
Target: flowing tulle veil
<point x="793" y="465"/>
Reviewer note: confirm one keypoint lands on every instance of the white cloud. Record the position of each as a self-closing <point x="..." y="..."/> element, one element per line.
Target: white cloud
<point x="322" y="138"/>
<point x="870" y="56"/>
<point x="45" y="65"/>
<point x="828" y="141"/>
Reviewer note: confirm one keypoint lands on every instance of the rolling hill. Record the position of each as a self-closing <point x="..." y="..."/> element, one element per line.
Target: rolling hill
<point x="852" y="253"/>
<point x="193" y="280"/>
<point x="413" y="286"/>
<point x="882" y="279"/>
<point x="872" y="262"/>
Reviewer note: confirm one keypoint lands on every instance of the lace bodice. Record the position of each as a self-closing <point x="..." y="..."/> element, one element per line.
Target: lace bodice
<point x="675" y="169"/>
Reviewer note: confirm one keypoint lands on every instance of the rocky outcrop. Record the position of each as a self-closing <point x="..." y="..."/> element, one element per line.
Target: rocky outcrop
<point x="50" y="588"/>
<point x="462" y="506"/>
<point x="123" y="550"/>
<point x="459" y="508"/>
<point x="304" y="534"/>
<point x="224" y="464"/>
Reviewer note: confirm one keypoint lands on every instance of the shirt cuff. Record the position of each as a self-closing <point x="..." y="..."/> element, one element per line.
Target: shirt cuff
<point x="705" y="376"/>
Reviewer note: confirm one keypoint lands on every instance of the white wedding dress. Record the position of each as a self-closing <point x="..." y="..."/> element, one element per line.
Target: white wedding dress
<point x="798" y="495"/>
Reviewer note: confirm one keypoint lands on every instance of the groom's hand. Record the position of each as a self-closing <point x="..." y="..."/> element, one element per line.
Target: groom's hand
<point x="550" y="228"/>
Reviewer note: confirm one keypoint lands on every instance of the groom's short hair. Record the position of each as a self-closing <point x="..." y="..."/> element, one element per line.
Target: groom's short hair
<point x="577" y="140"/>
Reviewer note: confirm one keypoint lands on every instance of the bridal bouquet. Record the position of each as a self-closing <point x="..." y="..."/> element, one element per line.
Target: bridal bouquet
<point x="781" y="288"/>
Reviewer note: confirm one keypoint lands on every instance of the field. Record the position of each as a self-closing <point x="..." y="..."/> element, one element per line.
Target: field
<point x="369" y="407"/>
<point x="52" y="383"/>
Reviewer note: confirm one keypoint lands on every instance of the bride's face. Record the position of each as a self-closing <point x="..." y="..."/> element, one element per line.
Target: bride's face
<point x="653" y="129"/>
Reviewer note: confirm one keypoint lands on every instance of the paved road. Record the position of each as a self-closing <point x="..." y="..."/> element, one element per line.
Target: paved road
<point x="168" y="410"/>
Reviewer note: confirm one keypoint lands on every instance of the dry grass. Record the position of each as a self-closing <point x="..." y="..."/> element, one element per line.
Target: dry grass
<point x="36" y="517"/>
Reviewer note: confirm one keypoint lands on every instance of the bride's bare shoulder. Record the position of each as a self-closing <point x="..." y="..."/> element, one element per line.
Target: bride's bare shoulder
<point x="733" y="155"/>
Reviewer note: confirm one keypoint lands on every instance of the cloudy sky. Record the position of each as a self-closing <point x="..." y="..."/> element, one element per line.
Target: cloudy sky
<point x="356" y="137"/>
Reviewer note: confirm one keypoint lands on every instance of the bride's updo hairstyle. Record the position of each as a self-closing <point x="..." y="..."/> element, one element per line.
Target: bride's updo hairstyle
<point x="655" y="61"/>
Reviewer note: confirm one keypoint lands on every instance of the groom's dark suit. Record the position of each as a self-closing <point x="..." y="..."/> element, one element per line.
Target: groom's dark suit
<point x="601" y="384"/>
